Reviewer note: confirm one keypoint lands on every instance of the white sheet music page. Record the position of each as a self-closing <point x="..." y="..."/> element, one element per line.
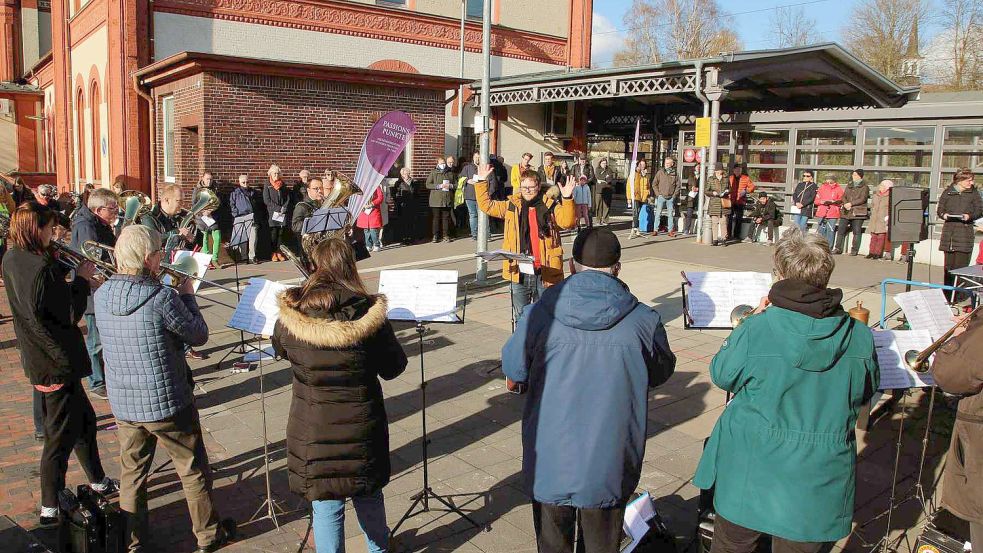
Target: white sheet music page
<point x="712" y="296"/>
<point x="420" y="295"/>
<point x="891" y="346"/>
<point x="258" y="311"/>
<point x="926" y="310"/>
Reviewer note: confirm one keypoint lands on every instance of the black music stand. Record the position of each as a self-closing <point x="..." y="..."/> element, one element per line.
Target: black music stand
<point x="240" y="235"/>
<point x="421" y="320"/>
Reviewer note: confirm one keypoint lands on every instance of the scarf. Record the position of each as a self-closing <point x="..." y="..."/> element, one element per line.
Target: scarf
<point x="549" y="170"/>
<point x="805" y="298"/>
<point x="671" y="171"/>
<point x="276" y="184"/>
<point x="534" y="230"/>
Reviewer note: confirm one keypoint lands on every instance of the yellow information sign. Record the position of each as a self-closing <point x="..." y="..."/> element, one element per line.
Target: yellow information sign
<point x="703" y="132"/>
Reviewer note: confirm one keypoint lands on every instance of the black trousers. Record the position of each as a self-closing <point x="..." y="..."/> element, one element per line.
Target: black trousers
<point x="276" y="234"/>
<point x="600" y="529"/>
<point x="69" y="424"/>
<point x="731" y="538"/>
<point x="955" y="260"/>
<point x="736" y="219"/>
<point x="849" y="225"/>
<point x="441" y="222"/>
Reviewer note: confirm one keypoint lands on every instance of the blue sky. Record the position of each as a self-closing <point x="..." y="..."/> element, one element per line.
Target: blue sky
<point x="830" y="16"/>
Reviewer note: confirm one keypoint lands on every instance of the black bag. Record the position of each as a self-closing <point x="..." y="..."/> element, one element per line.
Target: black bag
<point x="943" y="532"/>
<point x="112" y="536"/>
<point x="78" y="530"/>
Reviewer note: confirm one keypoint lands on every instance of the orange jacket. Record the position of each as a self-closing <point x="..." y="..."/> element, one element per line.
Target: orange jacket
<point x="736" y="188"/>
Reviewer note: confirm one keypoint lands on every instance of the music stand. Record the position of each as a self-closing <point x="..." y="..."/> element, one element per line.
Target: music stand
<point x="257" y="314"/>
<point x="240" y="235"/>
<point x="405" y="305"/>
<point x="503" y="255"/>
<point x="325" y="219"/>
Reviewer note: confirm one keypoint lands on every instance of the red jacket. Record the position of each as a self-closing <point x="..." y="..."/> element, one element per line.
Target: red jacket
<point x="372" y="219"/>
<point x="828" y="192"/>
<point x="744" y="185"/>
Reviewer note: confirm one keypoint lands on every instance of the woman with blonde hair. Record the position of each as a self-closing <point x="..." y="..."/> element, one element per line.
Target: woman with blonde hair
<point x="276" y="196"/>
<point x="339" y="343"/>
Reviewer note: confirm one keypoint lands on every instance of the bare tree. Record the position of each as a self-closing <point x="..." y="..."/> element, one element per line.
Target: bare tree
<point x="958" y="60"/>
<point x="790" y="27"/>
<point x="880" y="30"/>
<point x="659" y="30"/>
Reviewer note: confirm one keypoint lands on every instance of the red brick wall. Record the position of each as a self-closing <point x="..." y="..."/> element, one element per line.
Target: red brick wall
<point x="188" y="114"/>
<point x="254" y="121"/>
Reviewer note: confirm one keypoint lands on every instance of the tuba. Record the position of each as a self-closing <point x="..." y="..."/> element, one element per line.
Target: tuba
<point x="136" y="204"/>
<point x="343" y="188"/>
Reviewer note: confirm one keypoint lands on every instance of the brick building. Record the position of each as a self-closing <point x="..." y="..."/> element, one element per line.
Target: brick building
<point x="159" y="91"/>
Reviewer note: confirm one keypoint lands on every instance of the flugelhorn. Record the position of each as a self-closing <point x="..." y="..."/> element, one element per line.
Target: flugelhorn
<point x="739" y="313"/>
<point x="918" y="360"/>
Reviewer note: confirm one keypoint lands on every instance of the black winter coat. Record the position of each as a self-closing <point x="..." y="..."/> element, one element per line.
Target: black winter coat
<point x="277" y="201"/>
<point x="337" y="430"/>
<point x="46" y="311"/>
<point x="85" y="227"/>
<point x="957" y="236"/>
<point x="805" y="194"/>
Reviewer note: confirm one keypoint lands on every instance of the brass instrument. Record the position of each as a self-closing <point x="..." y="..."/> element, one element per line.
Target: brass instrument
<point x="342" y="189"/>
<point x="179" y="271"/>
<point x="206" y="200"/>
<point x="72" y="259"/>
<point x="739" y="313"/>
<point x="292" y="257"/>
<point x="918" y="360"/>
<point x="136" y="204"/>
<point x="91" y="247"/>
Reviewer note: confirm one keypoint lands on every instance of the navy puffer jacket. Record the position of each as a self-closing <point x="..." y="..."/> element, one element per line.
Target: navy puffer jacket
<point x="144" y="326"/>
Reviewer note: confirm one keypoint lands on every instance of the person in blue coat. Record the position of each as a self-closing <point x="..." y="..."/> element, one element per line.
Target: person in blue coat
<point x="587" y="352"/>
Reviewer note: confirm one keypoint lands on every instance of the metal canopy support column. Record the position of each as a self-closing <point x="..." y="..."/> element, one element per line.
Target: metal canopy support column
<point x="701" y="226"/>
<point x="482" y="268"/>
<point x="714" y="94"/>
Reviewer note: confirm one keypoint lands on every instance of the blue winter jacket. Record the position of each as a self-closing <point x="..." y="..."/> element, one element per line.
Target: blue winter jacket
<point x="144" y="326"/>
<point x="589" y="351"/>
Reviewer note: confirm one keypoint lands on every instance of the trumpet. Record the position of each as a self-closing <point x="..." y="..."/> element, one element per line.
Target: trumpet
<point x="72" y="259"/>
<point x="918" y="360"/>
<point x="739" y="314"/>
<point x="295" y="260"/>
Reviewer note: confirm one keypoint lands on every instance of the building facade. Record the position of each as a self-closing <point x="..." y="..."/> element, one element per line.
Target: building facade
<point x="156" y="92"/>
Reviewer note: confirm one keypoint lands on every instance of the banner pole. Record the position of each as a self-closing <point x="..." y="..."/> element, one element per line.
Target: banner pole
<point x="482" y="269"/>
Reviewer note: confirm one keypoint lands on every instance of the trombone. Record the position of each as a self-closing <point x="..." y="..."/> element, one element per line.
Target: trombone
<point x="918" y="360"/>
<point x="184" y="269"/>
<point x="295" y="260"/>
<point x="739" y="313"/>
<point x="72" y="259"/>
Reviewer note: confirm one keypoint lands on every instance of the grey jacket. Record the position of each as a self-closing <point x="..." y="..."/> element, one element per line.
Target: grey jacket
<point x="144" y="326"/>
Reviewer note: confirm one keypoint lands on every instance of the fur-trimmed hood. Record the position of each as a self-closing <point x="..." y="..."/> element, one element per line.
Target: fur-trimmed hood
<point x="353" y="319"/>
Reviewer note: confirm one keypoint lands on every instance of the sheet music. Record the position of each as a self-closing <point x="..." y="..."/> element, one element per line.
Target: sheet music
<point x="257" y="311"/>
<point x="203" y="259"/>
<point x="891" y="346"/>
<point x="926" y="310"/>
<point x="712" y="296"/>
<point x="420" y="295"/>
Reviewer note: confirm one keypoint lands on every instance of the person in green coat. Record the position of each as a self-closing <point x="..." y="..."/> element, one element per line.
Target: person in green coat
<point x="782" y="457"/>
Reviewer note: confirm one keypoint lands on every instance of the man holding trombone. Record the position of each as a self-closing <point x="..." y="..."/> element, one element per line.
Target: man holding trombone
<point x="95" y="223"/>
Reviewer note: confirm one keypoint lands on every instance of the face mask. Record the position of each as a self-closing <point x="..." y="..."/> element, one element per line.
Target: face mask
<point x="441" y="166"/>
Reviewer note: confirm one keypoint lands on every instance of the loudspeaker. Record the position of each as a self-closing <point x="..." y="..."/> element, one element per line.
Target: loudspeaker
<point x="908" y="220"/>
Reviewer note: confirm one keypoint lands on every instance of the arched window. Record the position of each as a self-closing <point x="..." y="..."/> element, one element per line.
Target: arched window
<point x="80" y="132"/>
<point x="96" y="137"/>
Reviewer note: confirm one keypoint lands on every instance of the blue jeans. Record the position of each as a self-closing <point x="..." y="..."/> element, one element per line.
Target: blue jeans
<point x="671" y="206"/>
<point x="94" y="346"/>
<point x="372" y="238"/>
<point x="801" y="221"/>
<point x="827" y="229"/>
<point x="329" y="523"/>
<point x="472" y="216"/>
<point x="526" y="291"/>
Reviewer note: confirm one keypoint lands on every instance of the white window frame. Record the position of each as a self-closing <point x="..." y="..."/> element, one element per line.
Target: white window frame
<point x="167" y="124"/>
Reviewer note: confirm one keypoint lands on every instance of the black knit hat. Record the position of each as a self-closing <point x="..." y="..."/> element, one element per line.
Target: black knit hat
<point x="597" y="247"/>
<point x="762" y="194"/>
<point x="859" y="172"/>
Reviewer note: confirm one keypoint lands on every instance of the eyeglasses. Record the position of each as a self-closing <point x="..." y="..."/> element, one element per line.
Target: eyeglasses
<point x="529" y="188"/>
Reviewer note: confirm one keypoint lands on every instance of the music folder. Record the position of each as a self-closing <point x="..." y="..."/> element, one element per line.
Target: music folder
<point x="326" y="219"/>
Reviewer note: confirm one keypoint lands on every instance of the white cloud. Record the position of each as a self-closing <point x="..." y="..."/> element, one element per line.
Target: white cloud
<point x="605" y="41"/>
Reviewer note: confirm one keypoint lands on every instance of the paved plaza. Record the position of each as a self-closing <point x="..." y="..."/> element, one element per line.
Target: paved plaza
<point x="473" y="423"/>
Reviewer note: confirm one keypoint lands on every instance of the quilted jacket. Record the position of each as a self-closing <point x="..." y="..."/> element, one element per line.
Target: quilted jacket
<point x="144" y="326"/>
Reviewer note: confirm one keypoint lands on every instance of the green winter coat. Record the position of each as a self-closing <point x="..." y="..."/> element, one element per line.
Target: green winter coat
<point x="782" y="456"/>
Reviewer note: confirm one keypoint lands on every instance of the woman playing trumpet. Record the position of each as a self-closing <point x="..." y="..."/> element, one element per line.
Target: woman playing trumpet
<point x="46" y="309"/>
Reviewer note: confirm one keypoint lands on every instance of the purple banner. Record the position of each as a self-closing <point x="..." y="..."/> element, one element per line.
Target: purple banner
<point x="385" y="141"/>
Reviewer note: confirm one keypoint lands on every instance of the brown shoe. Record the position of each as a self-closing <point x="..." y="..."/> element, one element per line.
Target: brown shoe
<point x="195" y="354"/>
<point x="672" y="233"/>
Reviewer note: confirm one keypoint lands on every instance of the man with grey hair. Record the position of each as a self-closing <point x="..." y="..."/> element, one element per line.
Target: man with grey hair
<point x="606" y="350"/>
<point x="95" y="221"/>
<point x="800" y="369"/>
<point x="145" y="327"/>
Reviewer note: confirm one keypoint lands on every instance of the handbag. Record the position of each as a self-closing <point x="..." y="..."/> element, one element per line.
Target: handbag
<point x="725" y="203"/>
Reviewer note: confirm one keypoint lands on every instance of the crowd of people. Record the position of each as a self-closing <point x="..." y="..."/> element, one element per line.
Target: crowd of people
<point x="584" y="353"/>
